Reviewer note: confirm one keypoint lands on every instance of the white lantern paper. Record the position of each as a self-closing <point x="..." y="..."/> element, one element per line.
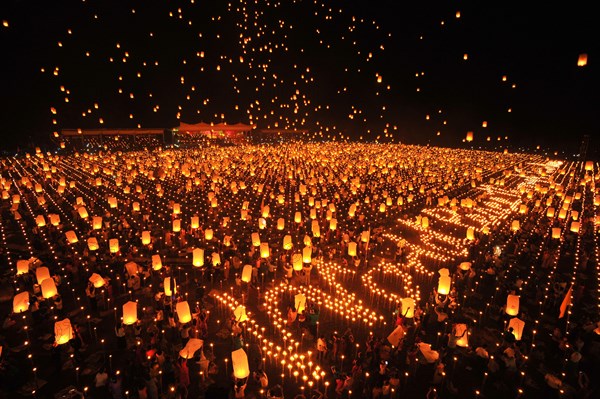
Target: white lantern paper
<point x="247" y="273"/>
<point x="183" y="312"/>
<point x="21" y="302"/>
<point x="239" y="361"/>
<point x="63" y="331"/>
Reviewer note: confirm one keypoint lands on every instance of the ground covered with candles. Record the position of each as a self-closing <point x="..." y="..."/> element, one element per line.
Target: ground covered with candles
<point x="298" y="270"/>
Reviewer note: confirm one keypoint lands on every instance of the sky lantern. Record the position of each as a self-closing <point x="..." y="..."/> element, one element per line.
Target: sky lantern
<point x="307" y="254"/>
<point x="512" y="305"/>
<point x="170" y="286"/>
<point x="195" y="222"/>
<point x="92" y="243"/>
<point x="71" y="237"/>
<point x="287" y="242"/>
<point x="352" y="210"/>
<point x="176" y="209"/>
<point x="96" y="280"/>
<point x="300" y="302"/>
<point x="21" y="302"/>
<point x="132" y="268"/>
<point x="83" y="213"/>
<point x="112" y="202"/>
<point x="198" y="257"/>
<point x="208" y="234"/>
<point x="190" y="348"/>
<point x="22" y="267"/>
<point x="63" y="331"/>
<point x="113" y="245"/>
<point x="574" y="215"/>
<point x="156" y="262"/>
<point x="130" y="313"/>
<point x="444" y="281"/>
<point x="550" y="212"/>
<point x="515" y="225"/>
<point x="176" y="225"/>
<point x="264" y="250"/>
<point x="262" y="223"/>
<point x="146" y="239"/>
<point x="556" y="232"/>
<point x="54" y="219"/>
<point x="215" y="259"/>
<point x="408" y="307"/>
<point x="244" y="214"/>
<point x="332" y="224"/>
<point x="464" y="266"/>
<point x="352" y="248"/>
<point x="183" y="312"/>
<point x="97" y="222"/>
<point x="265" y="211"/>
<point x="589" y="166"/>
<point x="518" y="326"/>
<point x="575" y="227"/>
<point x="42" y="273"/>
<point x="522" y="209"/>
<point x="239" y="361"/>
<point x="316" y="230"/>
<point x="562" y="214"/>
<point x="255" y="239"/>
<point x="280" y="224"/>
<point x="40" y="221"/>
<point x="582" y="60"/>
<point x="365" y="236"/>
<point x="49" y="288"/>
<point x="297" y="262"/>
<point x="298" y="217"/>
<point x="136" y="206"/>
<point x="240" y="314"/>
<point x="247" y="273"/>
<point x="16" y="199"/>
<point x="469" y="137"/>
<point x="461" y="330"/>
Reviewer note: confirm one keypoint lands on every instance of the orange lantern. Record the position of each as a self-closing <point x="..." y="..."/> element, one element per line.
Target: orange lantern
<point x="146" y="239"/>
<point x="49" y="288"/>
<point x="97" y="222"/>
<point x="176" y="226"/>
<point x="469" y="137"/>
<point x="40" y="221"/>
<point x="23" y="267"/>
<point x="461" y="330"/>
<point x="287" y="242"/>
<point x="332" y="224"/>
<point x="96" y="280"/>
<point x="195" y="222"/>
<point x="198" y="257"/>
<point x="512" y="305"/>
<point x="582" y="60"/>
<point x="63" y="331"/>
<point x="239" y="361"/>
<point x="130" y="313"/>
<point x="240" y="314"/>
<point x="352" y="248"/>
<point x="183" y="312"/>
<point x="297" y="217"/>
<point x="21" y="302"/>
<point x="216" y="259"/>
<point x="170" y="286"/>
<point x="575" y="227"/>
<point x="515" y="226"/>
<point x="208" y="234"/>
<point x="280" y="224"/>
<point x="408" y="307"/>
<point x="556" y="232"/>
<point x="41" y="273"/>
<point x="297" y="262"/>
<point x="71" y="237"/>
<point x="518" y="326"/>
<point x="307" y="255"/>
<point x="83" y="213"/>
<point x="156" y="262"/>
<point x="300" y="302"/>
<point x="247" y="273"/>
<point x="264" y="250"/>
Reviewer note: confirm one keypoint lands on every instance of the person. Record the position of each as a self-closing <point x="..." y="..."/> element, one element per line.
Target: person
<point x="101" y="379"/>
<point x="90" y="291"/>
<point x="261" y="378"/>
<point x="240" y="389"/>
<point x="121" y="339"/>
<point x="321" y="348"/>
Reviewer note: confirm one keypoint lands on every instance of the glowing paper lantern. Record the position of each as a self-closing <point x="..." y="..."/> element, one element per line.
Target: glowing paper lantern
<point x="512" y="305"/>
<point x="307" y="254"/>
<point x="208" y="234"/>
<point x="352" y="248"/>
<point x="176" y="209"/>
<point x="562" y="214"/>
<point x="300" y="302"/>
<point x="92" y="243"/>
<point x="146" y="239"/>
<point x="215" y="259"/>
<point x="352" y="210"/>
<point x="195" y="222"/>
<point x="54" y="219"/>
<point x="190" y="348"/>
<point x="49" y="288"/>
<point x="523" y="209"/>
<point x="21" y="302"/>
<point x="316" y="230"/>
<point x="240" y="314"/>
<point x="255" y="239"/>
<point x="112" y="202"/>
<point x="461" y="330"/>
<point x="83" y="213"/>
<point x="170" y="286"/>
<point x="287" y="242"/>
<point x="97" y="222"/>
<point x="183" y="312"/>
<point x="63" y="331"/>
<point x="156" y="262"/>
<point x="41" y="273"/>
<point x="136" y="206"/>
<point x="464" y="266"/>
<point x="550" y="212"/>
<point x="518" y="326"/>
<point x="265" y="212"/>
<point x="176" y="226"/>
<point x="515" y="226"/>
<point x="582" y="60"/>
<point x="23" y="267"/>
<point x="365" y="236"/>
<point x="247" y="273"/>
<point x="332" y="224"/>
<point x="556" y="232"/>
<point x="40" y="221"/>
<point x="297" y="262"/>
<point x="130" y="313"/>
<point x="132" y="268"/>
<point x="297" y="217"/>
<point x="575" y="215"/>
<point x="444" y="285"/>
<point x="264" y="250"/>
<point x="575" y="227"/>
<point x="280" y="224"/>
<point x="198" y="257"/>
<point x="71" y="237"/>
<point x="469" y="137"/>
<point x="239" y="361"/>
<point x="262" y="223"/>
<point x="589" y="166"/>
<point x="113" y="245"/>
<point x="408" y="307"/>
<point x="96" y="280"/>
<point x="425" y="222"/>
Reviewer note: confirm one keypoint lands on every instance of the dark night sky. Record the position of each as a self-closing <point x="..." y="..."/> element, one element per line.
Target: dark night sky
<point x="553" y="104"/>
